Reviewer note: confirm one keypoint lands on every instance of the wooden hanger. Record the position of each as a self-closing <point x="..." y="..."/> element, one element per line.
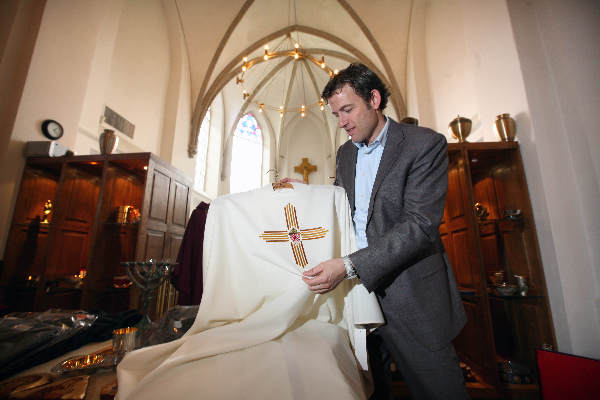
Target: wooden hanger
<point x="278" y="184"/>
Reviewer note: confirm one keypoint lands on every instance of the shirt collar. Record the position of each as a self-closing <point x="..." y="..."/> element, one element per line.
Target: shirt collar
<point x="381" y="137"/>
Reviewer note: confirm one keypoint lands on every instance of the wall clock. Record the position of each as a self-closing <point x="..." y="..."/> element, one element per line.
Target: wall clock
<point x="52" y="129"/>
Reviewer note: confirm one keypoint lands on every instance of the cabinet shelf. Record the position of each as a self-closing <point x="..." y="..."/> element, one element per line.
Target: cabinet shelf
<point x="86" y="192"/>
<point x="491" y="175"/>
<point x="515" y="297"/>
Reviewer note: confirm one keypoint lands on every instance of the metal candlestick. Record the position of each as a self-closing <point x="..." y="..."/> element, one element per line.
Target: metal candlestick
<point x="147" y="275"/>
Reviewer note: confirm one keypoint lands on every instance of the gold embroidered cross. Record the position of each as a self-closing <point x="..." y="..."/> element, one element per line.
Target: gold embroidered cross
<point x="294" y="235"/>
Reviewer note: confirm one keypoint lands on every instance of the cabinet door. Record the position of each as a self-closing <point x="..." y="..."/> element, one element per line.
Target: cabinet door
<point x="154" y="245"/>
<point x="179" y="211"/>
<point x="474" y="344"/>
<point x="172" y="246"/>
<point x="73" y="224"/>
<point x="159" y="198"/>
<point x="456" y="229"/>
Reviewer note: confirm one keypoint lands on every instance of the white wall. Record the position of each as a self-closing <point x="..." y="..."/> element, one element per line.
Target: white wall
<point x="131" y="73"/>
<point x="463" y="61"/>
<point x="139" y="73"/>
<point x="560" y="60"/>
<point x="98" y="80"/>
<point x="306" y="137"/>
<point x="178" y="102"/>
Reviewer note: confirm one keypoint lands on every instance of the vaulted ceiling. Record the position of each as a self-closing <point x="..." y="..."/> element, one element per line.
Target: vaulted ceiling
<point x="218" y="35"/>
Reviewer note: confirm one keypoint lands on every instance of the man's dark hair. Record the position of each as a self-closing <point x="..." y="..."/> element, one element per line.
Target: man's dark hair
<point x="360" y="78"/>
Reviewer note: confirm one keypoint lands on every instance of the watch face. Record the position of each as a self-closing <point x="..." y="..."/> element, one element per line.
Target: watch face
<point x="52" y="129"/>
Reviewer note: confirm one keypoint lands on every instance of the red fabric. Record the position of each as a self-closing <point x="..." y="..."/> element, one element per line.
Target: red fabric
<point x="566" y="376"/>
<point x="187" y="276"/>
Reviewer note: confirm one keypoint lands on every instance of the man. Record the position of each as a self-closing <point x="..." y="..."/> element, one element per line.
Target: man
<point x="395" y="176"/>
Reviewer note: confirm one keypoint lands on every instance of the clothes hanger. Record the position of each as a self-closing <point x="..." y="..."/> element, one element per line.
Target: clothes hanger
<point x="278" y="184"/>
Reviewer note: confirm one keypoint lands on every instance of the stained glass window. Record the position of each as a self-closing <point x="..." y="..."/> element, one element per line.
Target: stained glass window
<point x="246" y="155"/>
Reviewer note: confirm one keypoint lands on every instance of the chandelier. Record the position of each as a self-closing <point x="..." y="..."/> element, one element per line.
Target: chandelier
<point x="286" y="48"/>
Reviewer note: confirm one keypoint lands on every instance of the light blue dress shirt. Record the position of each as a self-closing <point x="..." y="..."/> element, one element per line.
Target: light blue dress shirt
<point x="367" y="163"/>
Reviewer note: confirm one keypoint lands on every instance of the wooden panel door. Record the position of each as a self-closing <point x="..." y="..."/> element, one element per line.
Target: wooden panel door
<point x="154" y="245"/>
<point x="172" y="246"/>
<point x="180" y="202"/>
<point x="159" y="197"/>
<point x="459" y="232"/>
<point x="456" y="229"/>
<point x="28" y="236"/>
<point x="73" y="223"/>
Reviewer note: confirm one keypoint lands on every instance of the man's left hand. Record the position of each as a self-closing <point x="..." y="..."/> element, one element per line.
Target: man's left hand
<point x="326" y="276"/>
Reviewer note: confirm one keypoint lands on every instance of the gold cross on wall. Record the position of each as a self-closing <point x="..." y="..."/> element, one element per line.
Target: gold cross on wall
<point x="294" y="235"/>
<point x="305" y="168"/>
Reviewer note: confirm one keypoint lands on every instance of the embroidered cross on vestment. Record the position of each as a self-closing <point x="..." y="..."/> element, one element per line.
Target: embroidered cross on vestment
<point x="294" y="235"/>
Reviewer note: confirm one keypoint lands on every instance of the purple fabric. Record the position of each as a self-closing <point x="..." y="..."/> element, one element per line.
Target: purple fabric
<point x="187" y="276"/>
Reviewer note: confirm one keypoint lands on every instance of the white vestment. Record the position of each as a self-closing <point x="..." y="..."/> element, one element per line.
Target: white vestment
<point x="260" y="333"/>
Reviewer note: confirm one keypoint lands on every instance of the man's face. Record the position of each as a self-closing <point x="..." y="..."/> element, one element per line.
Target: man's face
<point x="359" y="118"/>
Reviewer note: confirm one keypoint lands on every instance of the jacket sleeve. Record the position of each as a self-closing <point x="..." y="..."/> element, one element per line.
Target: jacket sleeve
<point x="415" y="231"/>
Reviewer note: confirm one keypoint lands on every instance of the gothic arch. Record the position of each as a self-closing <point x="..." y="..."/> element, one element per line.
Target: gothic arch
<point x="231" y="69"/>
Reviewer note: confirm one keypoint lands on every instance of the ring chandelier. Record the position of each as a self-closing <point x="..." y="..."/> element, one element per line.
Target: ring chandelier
<point x="297" y="53"/>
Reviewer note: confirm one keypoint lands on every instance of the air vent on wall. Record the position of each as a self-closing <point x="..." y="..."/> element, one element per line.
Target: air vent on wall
<point x="118" y="122"/>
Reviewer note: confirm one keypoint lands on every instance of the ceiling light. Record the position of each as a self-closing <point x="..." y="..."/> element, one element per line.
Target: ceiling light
<point x="296" y="52"/>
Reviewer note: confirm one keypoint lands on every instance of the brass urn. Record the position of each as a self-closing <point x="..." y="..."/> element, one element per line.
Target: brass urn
<point x="108" y="141"/>
<point x="410" y="121"/>
<point x="506" y="127"/>
<point x="460" y="128"/>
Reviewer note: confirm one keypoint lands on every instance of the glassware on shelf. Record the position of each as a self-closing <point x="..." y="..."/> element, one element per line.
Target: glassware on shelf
<point x="522" y="286"/>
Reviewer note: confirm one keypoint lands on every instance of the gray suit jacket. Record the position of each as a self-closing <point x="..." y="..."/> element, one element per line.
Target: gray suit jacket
<point x="405" y="263"/>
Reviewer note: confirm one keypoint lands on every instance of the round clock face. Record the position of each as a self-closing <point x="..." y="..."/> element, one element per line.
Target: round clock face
<point x="52" y="129"/>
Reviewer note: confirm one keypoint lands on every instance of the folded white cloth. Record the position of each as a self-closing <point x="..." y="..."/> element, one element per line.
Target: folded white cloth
<point x="260" y="333"/>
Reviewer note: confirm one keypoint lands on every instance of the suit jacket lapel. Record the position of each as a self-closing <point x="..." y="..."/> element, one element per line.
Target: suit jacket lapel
<point x="350" y="174"/>
<point x="395" y="136"/>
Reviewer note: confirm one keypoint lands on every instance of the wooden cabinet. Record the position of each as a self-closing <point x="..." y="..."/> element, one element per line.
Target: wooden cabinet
<point x="83" y="231"/>
<point x="480" y="243"/>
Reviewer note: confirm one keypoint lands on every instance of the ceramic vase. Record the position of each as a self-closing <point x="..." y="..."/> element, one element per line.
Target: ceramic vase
<point x="460" y="128"/>
<point x="108" y="141"/>
<point x="505" y="127"/>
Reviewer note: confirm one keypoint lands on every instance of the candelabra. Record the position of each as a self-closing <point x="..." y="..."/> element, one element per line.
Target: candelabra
<point x="147" y="276"/>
